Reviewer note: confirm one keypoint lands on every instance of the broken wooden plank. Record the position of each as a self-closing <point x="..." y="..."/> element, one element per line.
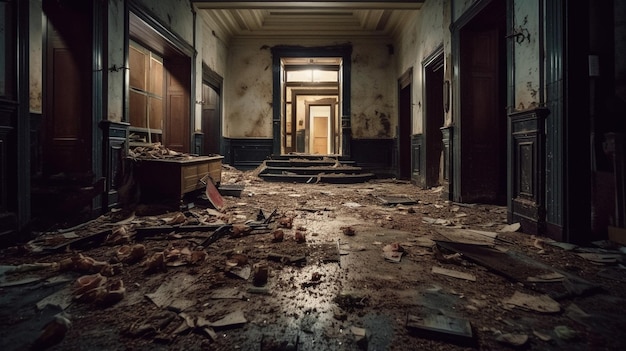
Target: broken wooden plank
<point x="85" y="242"/>
<point x="518" y="267"/>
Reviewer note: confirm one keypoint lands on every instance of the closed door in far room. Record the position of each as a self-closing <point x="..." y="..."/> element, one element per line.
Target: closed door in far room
<point x="320" y="120"/>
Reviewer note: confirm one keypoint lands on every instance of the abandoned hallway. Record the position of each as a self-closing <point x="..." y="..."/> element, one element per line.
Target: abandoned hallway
<point x="379" y="265"/>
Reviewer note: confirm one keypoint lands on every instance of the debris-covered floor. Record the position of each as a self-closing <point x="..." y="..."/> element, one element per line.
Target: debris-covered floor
<point x="382" y="265"/>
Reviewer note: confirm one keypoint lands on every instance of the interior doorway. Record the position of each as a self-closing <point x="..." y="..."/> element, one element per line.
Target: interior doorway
<point x="211" y="120"/>
<point x="310" y="102"/>
<point x="320" y="73"/>
<point x="321" y="121"/>
<point x="433" y="117"/>
<point x="483" y="117"/>
<point x="405" y="126"/>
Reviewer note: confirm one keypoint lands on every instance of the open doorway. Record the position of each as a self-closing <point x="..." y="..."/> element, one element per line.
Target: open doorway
<point x="321" y="126"/>
<point x="309" y="74"/>
<point x="310" y="105"/>
<point x="433" y="117"/>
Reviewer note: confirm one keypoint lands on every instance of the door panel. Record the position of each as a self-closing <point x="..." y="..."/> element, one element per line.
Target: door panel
<point x="320" y="136"/>
<point x="67" y="96"/>
<point x="176" y="134"/>
<point x="483" y="119"/>
<point x="434" y="122"/>
<point x="211" y="126"/>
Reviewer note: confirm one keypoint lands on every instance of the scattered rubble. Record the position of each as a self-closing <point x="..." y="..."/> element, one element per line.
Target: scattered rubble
<point x="313" y="274"/>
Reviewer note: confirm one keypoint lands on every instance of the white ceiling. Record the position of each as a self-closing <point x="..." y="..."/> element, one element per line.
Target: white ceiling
<point x="311" y="19"/>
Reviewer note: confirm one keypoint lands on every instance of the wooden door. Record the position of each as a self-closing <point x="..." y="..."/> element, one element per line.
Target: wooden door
<point x="67" y="95"/>
<point x="434" y="122"/>
<point x="404" y="133"/>
<point x="211" y="126"/>
<point x="483" y="124"/>
<point x="320" y="135"/>
<point x="177" y="116"/>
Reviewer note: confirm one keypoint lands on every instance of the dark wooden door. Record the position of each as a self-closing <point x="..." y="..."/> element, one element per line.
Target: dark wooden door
<point x="211" y="126"/>
<point x="177" y="116"/>
<point x="483" y="124"/>
<point x="404" y="134"/>
<point x="67" y="95"/>
<point x="434" y="121"/>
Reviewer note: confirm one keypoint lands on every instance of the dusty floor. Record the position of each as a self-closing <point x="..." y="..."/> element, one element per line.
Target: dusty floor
<point x="361" y="265"/>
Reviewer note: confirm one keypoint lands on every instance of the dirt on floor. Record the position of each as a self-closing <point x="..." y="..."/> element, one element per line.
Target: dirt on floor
<point x="381" y="265"/>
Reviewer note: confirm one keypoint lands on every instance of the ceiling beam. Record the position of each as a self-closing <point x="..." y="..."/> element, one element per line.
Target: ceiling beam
<point x="278" y="4"/>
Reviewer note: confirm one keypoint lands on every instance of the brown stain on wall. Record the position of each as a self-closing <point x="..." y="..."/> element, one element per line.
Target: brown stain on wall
<point x="385" y="123"/>
<point x="378" y="125"/>
<point x="257" y="127"/>
<point x="241" y="91"/>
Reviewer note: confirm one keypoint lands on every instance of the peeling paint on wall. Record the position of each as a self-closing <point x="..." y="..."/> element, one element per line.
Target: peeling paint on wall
<point x="416" y="43"/>
<point x="36" y="64"/>
<point x="374" y="111"/>
<point x="526" y="58"/>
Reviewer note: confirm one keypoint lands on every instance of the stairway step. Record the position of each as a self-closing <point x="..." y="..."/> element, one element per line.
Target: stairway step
<point x="306" y="163"/>
<point x="311" y="170"/>
<point x="337" y="178"/>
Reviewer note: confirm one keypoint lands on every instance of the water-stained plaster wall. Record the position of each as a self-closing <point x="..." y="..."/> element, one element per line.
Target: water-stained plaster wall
<point x="213" y="52"/>
<point x="248" y="90"/>
<point x="420" y="37"/>
<point x="36" y="56"/>
<point x="176" y="15"/>
<point x="526" y="55"/>
<point x="115" y="52"/>
<point x="374" y="91"/>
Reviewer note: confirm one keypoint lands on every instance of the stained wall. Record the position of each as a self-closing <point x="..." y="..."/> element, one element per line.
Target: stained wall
<point x="248" y="108"/>
<point x="420" y="37"/>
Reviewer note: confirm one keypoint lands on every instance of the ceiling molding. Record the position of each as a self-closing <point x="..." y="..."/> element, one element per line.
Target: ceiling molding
<point x="312" y="19"/>
<point x="287" y="5"/>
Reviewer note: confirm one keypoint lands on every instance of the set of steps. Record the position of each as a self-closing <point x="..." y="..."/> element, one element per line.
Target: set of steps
<point x="301" y="168"/>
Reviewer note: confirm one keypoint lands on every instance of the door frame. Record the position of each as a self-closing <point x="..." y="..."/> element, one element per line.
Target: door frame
<point x="146" y="29"/>
<point x="457" y="28"/>
<point x="432" y="63"/>
<point x="343" y="51"/>
<point x="215" y="82"/>
<point x="307" y="124"/>
<point x="406" y="156"/>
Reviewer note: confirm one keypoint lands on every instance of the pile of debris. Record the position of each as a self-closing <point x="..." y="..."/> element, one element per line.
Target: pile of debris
<point x="157" y="151"/>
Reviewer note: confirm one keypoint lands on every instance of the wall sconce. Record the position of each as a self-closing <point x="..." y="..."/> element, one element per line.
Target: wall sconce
<point x="446" y="96"/>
